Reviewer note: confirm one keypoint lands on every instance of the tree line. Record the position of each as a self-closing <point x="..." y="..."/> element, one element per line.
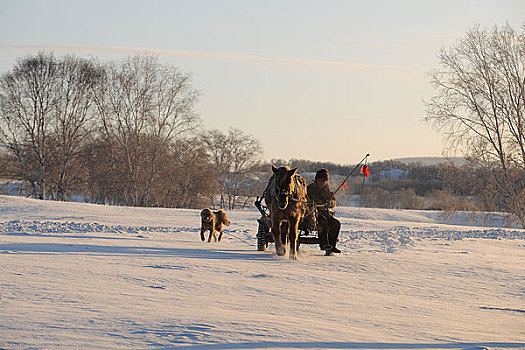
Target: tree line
<point x="121" y="132"/>
<point x="448" y="187"/>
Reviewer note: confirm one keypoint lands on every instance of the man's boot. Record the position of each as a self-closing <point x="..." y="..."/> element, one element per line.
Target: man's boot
<point x="327" y="248"/>
<point x="335" y="250"/>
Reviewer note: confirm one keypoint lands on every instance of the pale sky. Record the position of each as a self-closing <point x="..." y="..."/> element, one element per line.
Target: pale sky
<point x="318" y="80"/>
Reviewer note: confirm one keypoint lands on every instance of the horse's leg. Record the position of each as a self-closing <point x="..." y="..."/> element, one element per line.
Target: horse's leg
<point x="284" y="232"/>
<point x="202" y="234"/>
<point x="293" y="225"/>
<point x="276" y="232"/>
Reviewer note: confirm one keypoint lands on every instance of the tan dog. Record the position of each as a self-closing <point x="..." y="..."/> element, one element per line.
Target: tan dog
<point x="212" y="221"/>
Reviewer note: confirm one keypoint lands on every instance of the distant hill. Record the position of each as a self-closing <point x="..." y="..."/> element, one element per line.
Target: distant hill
<point x="426" y="161"/>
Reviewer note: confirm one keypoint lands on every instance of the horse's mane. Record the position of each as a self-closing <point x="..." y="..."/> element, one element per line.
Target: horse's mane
<point x="269" y="193"/>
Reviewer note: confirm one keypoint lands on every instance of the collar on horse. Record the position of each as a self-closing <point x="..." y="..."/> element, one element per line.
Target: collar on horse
<point x="281" y="192"/>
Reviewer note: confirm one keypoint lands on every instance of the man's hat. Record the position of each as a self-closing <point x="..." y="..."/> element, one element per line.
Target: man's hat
<point x="322" y="174"/>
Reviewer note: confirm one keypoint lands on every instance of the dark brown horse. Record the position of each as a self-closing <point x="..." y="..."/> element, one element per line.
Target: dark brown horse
<point x="286" y="198"/>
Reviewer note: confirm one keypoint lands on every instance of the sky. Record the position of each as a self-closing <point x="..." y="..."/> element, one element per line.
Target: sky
<point x="319" y="80"/>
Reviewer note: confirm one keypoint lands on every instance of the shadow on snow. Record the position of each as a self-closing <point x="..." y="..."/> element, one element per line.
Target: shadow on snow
<point x="353" y="345"/>
<point x="190" y="253"/>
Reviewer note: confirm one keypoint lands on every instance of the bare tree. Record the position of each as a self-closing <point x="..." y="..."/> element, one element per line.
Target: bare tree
<point x="45" y="112"/>
<point x="144" y="105"/>
<point x="187" y="179"/>
<point x="233" y="155"/>
<point x="102" y="186"/>
<point x="74" y="119"/>
<point x="479" y="105"/>
<point x="28" y="96"/>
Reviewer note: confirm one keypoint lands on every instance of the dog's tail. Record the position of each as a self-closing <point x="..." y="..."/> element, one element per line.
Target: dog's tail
<point x="224" y="219"/>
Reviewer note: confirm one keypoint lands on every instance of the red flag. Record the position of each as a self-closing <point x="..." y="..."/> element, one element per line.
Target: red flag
<point x="365" y="171"/>
<point x="344" y="186"/>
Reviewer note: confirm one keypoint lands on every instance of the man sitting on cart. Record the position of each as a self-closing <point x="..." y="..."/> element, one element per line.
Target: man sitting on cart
<point x="327" y="225"/>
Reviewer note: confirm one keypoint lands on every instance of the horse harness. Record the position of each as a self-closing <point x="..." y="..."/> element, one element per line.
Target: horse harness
<point x="291" y="196"/>
<point x="277" y="192"/>
<point x="273" y="191"/>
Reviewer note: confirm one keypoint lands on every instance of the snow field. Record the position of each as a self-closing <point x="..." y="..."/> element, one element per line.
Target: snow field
<point x="96" y="277"/>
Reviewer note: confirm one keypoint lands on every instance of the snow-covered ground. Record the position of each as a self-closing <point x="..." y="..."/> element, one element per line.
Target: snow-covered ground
<point x="80" y="276"/>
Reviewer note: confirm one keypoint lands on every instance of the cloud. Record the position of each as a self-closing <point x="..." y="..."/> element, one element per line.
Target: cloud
<point x="201" y="55"/>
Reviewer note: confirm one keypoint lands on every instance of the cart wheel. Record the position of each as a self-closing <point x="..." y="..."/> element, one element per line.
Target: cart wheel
<point x="262" y="231"/>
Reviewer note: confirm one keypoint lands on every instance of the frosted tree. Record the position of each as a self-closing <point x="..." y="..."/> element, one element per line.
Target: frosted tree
<point x="479" y="107"/>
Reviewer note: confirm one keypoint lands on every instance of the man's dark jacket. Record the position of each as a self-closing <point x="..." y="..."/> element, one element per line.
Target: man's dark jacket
<point x="322" y="196"/>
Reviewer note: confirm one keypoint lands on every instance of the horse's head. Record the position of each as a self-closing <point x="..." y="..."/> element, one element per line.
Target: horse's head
<point x="284" y="185"/>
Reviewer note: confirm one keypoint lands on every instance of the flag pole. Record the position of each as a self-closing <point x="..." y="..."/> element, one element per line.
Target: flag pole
<point x="357" y="166"/>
